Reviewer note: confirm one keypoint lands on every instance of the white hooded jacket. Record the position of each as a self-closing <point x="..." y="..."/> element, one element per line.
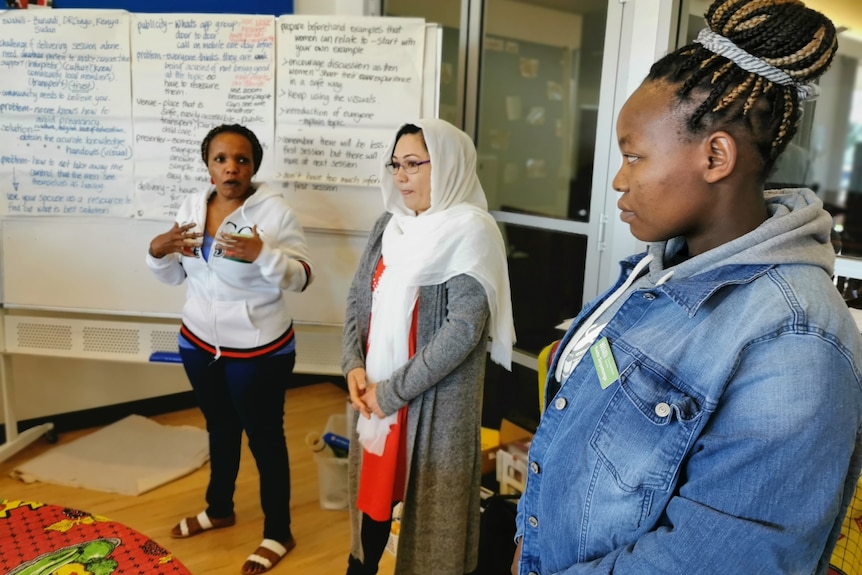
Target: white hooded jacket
<point x="233" y="304"/>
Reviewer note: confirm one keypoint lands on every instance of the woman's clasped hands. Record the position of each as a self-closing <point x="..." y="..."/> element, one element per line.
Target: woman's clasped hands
<point x="363" y="394"/>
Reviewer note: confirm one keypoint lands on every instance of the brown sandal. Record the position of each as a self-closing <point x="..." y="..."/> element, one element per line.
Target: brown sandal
<point x="191" y="526"/>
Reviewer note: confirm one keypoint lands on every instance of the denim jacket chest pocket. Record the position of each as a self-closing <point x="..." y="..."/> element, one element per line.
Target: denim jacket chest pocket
<point x="645" y="430"/>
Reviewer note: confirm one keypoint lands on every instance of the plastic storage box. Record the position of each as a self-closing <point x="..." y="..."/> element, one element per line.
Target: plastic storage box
<point x="332" y="470"/>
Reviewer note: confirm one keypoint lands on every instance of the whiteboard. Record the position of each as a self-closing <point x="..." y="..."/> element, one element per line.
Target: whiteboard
<point x="93" y="264"/>
<point x="357" y="208"/>
<point x="110" y="125"/>
<point x="96" y="264"/>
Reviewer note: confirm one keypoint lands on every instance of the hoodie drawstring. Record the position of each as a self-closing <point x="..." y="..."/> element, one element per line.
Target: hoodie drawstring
<point x="587" y="332"/>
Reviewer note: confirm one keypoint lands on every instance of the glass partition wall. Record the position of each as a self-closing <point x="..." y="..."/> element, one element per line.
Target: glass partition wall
<point x="535" y="134"/>
<point x="835" y="148"/>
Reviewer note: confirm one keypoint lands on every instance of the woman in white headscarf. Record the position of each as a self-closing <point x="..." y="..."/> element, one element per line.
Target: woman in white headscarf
<point x="431" y="287"/>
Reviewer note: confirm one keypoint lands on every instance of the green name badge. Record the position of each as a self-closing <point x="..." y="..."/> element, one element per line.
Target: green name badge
<point x="603" y="359"/>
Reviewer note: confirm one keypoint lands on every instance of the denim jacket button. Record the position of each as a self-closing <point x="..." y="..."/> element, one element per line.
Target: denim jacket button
<point x="560" y="403"/>
<point x="649" y="296"/>
<point x="534" y="467"/>
<point x="533" y="521"/>
<point x="662" y="409"/>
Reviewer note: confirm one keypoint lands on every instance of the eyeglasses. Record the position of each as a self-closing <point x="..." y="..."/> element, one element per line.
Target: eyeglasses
<point x="409" y="167"/>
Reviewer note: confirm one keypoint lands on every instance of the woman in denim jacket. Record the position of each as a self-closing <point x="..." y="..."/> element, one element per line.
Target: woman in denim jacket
<point x="703" y="415"/>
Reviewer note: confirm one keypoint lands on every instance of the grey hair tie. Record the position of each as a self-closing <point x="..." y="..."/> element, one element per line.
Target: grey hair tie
<point x="723" y="46"/>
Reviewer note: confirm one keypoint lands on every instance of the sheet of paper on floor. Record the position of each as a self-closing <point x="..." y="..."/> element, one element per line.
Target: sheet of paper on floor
<point x="131" y="456"/>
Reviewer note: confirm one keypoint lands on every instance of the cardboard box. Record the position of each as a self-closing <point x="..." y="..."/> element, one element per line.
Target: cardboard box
<point x="508" y="433"/>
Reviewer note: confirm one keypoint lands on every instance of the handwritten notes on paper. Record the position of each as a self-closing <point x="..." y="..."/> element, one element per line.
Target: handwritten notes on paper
<point x="191" y="74"/>
<point x="65" y="129"/>
<point x="345" y="85"/>
<point x="103" y="112"/>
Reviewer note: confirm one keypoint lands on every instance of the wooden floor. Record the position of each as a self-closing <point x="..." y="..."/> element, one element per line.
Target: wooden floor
<point x="322" y="536"/>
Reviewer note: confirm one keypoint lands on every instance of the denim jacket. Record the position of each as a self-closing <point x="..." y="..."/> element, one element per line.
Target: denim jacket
<point x="730" y="442"/>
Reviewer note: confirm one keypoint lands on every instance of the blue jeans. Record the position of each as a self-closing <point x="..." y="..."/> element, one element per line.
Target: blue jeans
<point x="245" y="394"/>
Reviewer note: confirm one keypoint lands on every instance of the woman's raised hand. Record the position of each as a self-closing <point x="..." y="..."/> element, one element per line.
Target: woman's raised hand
<point x="245" y="248"/>
<point x="180" y="238"/>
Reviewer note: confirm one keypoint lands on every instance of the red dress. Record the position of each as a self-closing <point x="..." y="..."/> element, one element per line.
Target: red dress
<point x="382" y="477"/>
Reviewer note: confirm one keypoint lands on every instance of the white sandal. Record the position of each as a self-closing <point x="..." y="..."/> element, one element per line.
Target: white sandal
<point x="273" y="546"/>
<point x="204" y="522"/>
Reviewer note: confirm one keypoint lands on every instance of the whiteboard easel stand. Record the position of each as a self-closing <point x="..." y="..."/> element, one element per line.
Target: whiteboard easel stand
<point x="16" y="441"/>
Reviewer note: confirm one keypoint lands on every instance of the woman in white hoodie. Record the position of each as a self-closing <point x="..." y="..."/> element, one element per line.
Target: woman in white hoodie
<point x="239" y="246"/>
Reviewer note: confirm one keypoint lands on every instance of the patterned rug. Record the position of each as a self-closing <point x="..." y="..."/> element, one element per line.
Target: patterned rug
<point x="847" y="556"/>
<point x="40" y="539"/>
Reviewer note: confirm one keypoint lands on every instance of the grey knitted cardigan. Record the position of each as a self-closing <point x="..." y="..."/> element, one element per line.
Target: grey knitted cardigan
<point x="442" y="386"/>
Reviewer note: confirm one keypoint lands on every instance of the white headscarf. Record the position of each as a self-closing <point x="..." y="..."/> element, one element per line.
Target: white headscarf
<point x="455" y="236"/>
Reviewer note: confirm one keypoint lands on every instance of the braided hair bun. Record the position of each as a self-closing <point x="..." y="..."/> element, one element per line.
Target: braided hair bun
<point x="783" y="33"/>
<point x="774" y="50"/>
